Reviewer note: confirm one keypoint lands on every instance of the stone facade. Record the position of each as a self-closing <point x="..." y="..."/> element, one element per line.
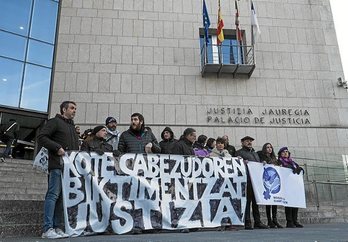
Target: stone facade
<point x="116" y="57"/>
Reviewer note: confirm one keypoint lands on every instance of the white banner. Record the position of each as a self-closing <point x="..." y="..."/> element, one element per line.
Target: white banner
<point x="151" y="192"/>
<point x="275" y="185"/>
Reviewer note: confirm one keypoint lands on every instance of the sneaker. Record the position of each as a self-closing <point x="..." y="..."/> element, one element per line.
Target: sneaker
<point x="61" y="233"/>
<point x="2" y="159"/>
<point x="50" y="234"/>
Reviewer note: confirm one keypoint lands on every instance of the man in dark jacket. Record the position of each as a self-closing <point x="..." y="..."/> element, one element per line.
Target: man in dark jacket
<point x="9" y="134"/>
<point x="166" y="144"/>
<point x="248" y="153"/>
<point x="229" y="147"/>
<point x="137" y="139"/>
<point x="97" y="142"/>
<point x="185" y="145"/>
<point x="58" y="136"/>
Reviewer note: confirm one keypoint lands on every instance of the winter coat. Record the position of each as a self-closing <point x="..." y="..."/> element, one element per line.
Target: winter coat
<point x="231" y="150"/>
<point x="58" y="132"/>
<point x="221" y="154"/>
<point x="133" y="142"/>
<point x="199" y="150"/>
<point x="269" y="160"/>
<point x="95" y="144"/>
<point x="248" y="154"/>
<point x="166" y="145"/>
<point x="182" y="147"/>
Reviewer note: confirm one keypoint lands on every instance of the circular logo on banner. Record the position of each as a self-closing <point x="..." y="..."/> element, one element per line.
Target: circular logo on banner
<point x="271" y="182"/>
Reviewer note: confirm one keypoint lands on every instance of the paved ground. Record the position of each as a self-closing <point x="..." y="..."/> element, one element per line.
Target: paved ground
<point x="313" y="232"/>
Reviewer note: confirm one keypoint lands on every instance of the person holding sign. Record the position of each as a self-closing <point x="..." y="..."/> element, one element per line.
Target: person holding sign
<point x="137" y="139"/>
<point x="248" y="153"/>
<point x="219" y="150"/>
<point x="97" y="142"/>
<point x="57" y="136"/>
<point x="286" y="161"/>
<point x="268" y="156"/>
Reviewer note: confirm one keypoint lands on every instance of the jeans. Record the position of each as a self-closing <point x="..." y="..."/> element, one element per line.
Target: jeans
<point x="53" y="208"/>
<point x="8" y="150"/>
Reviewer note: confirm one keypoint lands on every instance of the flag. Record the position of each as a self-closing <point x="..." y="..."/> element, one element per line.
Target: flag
<point x="238" y="32"/>
<point x="254" y="22"/>
<point x="206" y="22"/>
<point x="220" y="25"/>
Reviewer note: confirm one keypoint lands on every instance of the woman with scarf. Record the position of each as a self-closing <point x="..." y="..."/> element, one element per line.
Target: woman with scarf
<point x="268" y="156"/>
<point x="286" y="161"/>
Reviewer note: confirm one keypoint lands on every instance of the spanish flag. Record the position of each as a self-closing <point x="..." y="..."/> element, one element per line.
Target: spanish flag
<point x="220" y="26"/>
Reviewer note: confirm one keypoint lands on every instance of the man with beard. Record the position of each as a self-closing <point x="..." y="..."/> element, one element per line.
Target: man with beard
<point x="137" y="139"/>
<point x="113" y="135"/>
<point x="248" y="153"/>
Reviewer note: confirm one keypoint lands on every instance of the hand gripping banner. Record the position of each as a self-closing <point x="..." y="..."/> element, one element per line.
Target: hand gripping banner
<point x="153" y="191"/>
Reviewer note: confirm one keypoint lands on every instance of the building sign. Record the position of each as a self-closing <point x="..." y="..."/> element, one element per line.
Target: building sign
<point x="153" y="191"/>
<point x="267" y="116"/>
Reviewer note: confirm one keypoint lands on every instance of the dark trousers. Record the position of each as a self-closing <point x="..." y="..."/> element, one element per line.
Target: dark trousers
<point x="8" y="149"/>
<point x="272" y="208"/>
<point x="291" y="215"/>
<point x="251" y="201"/>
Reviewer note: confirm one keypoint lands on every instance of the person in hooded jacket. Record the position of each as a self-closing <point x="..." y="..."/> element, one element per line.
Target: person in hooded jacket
<point x="168" y="140"/>
<point x="285" y="160"/>
<point x="268" y="156"/>
<point x="96" y="142"/>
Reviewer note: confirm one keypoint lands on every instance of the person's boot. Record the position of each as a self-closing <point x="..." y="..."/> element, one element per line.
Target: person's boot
<point x="260" y="225"/>
<point x="247" y="225"/>
<point x="298" y="225"/>
<point x="271" y="224"/>
<point x="290" y="224"/>
<point x="277" y="224"/>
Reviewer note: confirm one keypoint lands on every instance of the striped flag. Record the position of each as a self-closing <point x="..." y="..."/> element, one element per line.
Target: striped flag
<point x="238" y="32"/>
<point x="206" y="22"/>
<point x="220" y="26"/>
<point x="254" y="23"/>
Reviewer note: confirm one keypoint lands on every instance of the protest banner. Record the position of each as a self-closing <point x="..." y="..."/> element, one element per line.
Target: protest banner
<point x="151" y="191"/>
<point x="275" y="185"/>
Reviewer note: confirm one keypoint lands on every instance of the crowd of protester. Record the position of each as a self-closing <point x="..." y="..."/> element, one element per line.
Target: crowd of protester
<point x="140" y="139"/>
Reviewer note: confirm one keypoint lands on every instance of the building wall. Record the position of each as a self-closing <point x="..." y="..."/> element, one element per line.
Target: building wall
<point x="116" y="57"/>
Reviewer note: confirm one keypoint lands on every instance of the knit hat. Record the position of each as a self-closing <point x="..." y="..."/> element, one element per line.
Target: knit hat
<point x="97" y="129"/>
<point x="281" y="150"/>
<point x="110" y="120"/>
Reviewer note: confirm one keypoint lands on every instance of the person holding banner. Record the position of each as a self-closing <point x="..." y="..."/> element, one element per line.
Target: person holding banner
<point x="286" y="161"/>
<point x="268" y="156"/>
<point x="248" y="153"/>
<point x="219" y="150"/>
<point x="185" y="144"/>
<point x="137" y="139"/>
<point x="168" y="140"/>
<point x="97" y="142"/>
<point x="57" y="136"/>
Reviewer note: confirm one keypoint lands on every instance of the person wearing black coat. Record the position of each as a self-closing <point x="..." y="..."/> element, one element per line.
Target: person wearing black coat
<point x="185" y="144"/>
<point x="58" y="136"/>
<point x="137" y="139"/>
<point x="168" y="140"/>
<point x="96" y="142"/>
<point x="248" y="153"/>
<point x="268" y="156"/>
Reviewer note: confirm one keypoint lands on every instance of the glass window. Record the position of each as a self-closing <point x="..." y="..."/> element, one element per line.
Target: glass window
<point x="14" y="16"/>
<point x="10" y="81"/>
<point x="43" y="26"/>
<point x="12" y="46"/>
<point x="40" y="53"/>
<point x="230" y="52"/>
<point x="36" y="88"/>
